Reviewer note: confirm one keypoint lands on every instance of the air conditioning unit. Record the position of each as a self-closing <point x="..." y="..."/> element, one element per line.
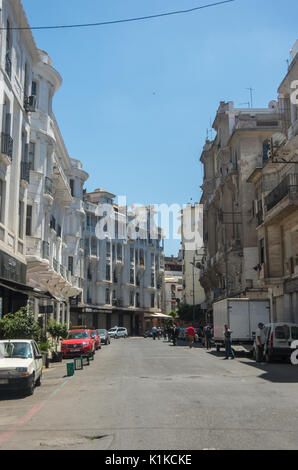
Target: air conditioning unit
<point x="30" y="103"/>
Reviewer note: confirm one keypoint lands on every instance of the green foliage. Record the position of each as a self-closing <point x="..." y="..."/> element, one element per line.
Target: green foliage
<point x="173" y="314"/>
<point x="44" y="346"/>
<point x="20" y="325"/>
<point x="187" y="313"/>
<point x="57" y="330"/>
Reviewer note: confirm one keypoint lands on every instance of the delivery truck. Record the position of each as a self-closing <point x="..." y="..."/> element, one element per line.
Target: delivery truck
<point x="242" y="317"/>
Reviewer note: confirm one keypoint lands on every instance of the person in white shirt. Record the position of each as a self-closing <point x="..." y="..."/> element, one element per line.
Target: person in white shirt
<point x="260" y="342"/>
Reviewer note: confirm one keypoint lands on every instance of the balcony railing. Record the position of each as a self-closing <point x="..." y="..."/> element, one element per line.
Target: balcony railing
<point x="288" y="187"/>
<point x="48" y="186"/>
<point x="55" y="265"/>
<point x="6" y="145"/>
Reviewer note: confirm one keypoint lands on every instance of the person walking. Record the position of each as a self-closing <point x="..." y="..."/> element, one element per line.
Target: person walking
<point x="228" y="343"/>
<point x="260" y="342"/>
<point x="154" y="332"/>
<point x="175" y="334"/>
<point x="190" y="336"/>
<point x="208" y="336"/>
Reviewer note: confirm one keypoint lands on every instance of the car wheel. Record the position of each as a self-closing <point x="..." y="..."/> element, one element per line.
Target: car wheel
<point x="30" y="389"/>
<point x="38" y="381"/>
<point x="268" y="357"/>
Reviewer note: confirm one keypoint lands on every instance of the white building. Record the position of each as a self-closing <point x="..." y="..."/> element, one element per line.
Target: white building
<point x="122" y="275"/>
<point x="54" y="223"/>
<point x="18" y="58"/>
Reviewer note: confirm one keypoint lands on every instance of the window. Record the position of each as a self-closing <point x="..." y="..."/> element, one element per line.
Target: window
<point x="132" y="298"/>
<point x="29" y="221"/>
<point x="2" y="195"/>
<point x="31" y="155"/>
<point x="108" y="296"/>
<point x="34" y="88"/>
<point x="108" y="272"/>
<point x="21" y="219"/>
<point x="71" y="184"/>
<point x="132" y="276"/>
<point x="70" y="264"/>
<point x="152" y="300"/>
<point x="262" y="251"/>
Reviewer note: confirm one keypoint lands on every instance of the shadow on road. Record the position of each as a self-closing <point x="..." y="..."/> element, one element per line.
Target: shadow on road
<point x="276" y="372"/>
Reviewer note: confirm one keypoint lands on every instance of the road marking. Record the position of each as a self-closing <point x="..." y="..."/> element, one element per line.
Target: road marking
<point x="6" y="435"/>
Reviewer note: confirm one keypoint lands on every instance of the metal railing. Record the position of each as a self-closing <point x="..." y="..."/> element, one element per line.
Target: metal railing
<point x="6" y="145"/>
<point x="287" y="187"/>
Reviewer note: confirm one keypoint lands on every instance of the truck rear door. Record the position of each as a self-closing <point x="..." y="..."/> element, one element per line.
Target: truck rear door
<point x="239" y="320"/>
<point x="259" y="312"/>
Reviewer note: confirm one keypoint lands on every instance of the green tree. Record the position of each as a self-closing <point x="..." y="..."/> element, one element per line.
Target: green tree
<point x="57" y="331"/>
<point x="20" y="325"/>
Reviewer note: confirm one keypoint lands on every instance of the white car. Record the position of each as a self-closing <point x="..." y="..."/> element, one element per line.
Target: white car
<point x="118" y="332"/>
<point x="20" y="365"/>
<point x="279" y="338"/>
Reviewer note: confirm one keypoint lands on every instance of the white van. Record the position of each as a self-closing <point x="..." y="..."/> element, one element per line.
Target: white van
<point x="20" y="365"/>
<point x="118" y="332"/>
<point x="279" y="337"/>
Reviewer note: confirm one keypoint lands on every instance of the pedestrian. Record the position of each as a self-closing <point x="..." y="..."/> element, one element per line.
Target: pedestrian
<point x="228" y="343"/>
<point x="208" y="336"/>
<point x="190" y="336"/>
<point x="175" y="334"/>
<point x="260" y="342"/>
<point x="165" y="333"/>
<point x="159" y="332"/>
<point x="154" y="332"/>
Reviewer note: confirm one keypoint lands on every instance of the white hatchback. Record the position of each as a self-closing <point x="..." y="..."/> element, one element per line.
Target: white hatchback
<point x="20" y="365"/>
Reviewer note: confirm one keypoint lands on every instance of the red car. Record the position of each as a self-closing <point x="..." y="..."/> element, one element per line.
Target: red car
<point x="97" y="339"/>
<point x="79" y="343"/>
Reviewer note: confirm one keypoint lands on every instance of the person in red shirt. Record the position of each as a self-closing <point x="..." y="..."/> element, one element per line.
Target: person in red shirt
<point x="191" y="336"/>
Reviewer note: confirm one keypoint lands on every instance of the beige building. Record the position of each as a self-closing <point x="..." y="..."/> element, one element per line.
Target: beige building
<point x="192" y="253"/>
<point x="230" y="237"/>
<point x="276" y="201"/>
<point x="172" y="289"/>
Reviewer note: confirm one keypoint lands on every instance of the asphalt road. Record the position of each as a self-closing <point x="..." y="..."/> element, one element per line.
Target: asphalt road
<point x="144" y="394"/>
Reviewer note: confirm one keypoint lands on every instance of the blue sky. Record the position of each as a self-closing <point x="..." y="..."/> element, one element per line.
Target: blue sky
<point x="137" y="98"/>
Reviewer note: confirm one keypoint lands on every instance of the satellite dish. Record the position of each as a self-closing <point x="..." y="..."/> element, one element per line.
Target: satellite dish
<point x="273" y="105"/>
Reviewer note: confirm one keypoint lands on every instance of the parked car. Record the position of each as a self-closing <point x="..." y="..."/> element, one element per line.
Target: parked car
<point x="78" y="343"/>
<point x="148" y="334"/>
<point x="118" y="332"/>
<point x="279" y="337"/>
<point x="20" y="365"/>
<point x="97" y="339"/>
<point x="104" y="336"/>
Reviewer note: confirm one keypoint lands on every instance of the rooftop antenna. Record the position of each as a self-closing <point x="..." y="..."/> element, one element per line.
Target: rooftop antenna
<point x="251" y="96"/>
<point x="247" y="103"/>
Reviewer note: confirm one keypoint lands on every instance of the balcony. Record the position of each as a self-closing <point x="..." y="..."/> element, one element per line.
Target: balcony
<point x="283" y="198"/>
<point x="6" y="145"/>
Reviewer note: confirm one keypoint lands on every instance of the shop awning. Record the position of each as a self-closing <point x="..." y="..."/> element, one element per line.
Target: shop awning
<point x="158" y="315"/>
